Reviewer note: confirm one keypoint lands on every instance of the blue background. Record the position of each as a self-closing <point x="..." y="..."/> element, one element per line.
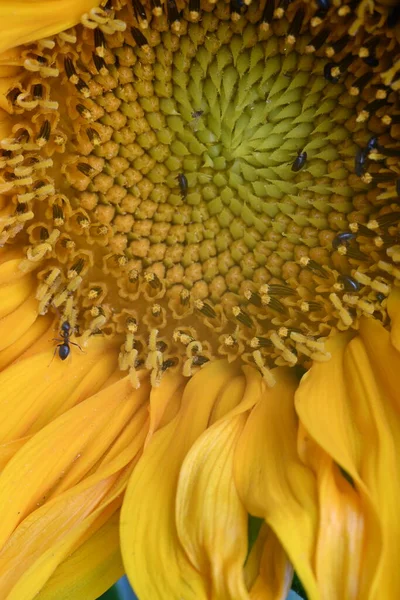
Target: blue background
<point x="122" y="591"/>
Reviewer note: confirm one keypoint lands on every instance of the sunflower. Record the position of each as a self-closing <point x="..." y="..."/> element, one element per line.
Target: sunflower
<point x="199" y="298"/>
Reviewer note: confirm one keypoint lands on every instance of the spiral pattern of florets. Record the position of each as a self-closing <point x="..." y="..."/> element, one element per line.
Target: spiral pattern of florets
<point x="209" y="180"/>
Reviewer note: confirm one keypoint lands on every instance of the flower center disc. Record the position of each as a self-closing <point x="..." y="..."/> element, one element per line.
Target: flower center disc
<point x="201" y="173"/>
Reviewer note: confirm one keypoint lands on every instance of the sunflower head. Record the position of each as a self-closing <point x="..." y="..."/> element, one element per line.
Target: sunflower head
<point x="202" y="181"/>
<point x="183" y="182"/>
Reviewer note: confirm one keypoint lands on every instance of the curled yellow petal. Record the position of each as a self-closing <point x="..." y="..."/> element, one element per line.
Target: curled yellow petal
<point x="341" y="536"/>
<point x="229" y="398"/>
<point x="272" y="481"/>
<point x="164" y="402"/>
<point x="379" y="422"/>
<point x="274" y="572"/>
<point x="149" y="539"/>
<point x="211" y="520"/>
<point x="341" y="526"/>
<point x="384" y="359"/>
<point x="322" y="405"/>
<point x="334" y="402"/>
<point x="24" y="21"/>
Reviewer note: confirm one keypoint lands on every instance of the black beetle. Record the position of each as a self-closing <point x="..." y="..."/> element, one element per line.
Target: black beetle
<point x="183" y="184"/>
<point x="299" y="162"/>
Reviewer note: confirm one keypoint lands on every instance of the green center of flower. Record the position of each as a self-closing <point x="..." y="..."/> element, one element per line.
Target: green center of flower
<point x="207" y="191"/>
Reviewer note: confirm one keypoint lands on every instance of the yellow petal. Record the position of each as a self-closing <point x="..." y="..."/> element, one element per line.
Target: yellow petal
<point x="41" y="327"/>
<point x="341" y="535"/>
<point x="164" y="402"/>
<point x="18" y="306"/>
<point x="255" y="387"/>
<point x="384" y="359"/>
<point x="275" y="571"/>
<point x="90" y="570"/>
<point x="13" y="294"/>
<point x="229" y="398"/>
<point x="393" y="308"/>
<point x="16" y="324"/>
<point x="24" y="21"/>
<point x="272" y="481"/>
<point x="8" y="449"/>
<point x="62" y="453"/>
<point x="322" y="405"/>
<point x="379" y="423"/>
<point x="49" y="464"/>
<point x="253" y="560"/>
<point x="331" y="404"/>
<point x="341" y="527"/>
<point x="9" y="266"/>
<point x="149" y="540"/>
<point x="10" y="66"/>
<point x="51" y="389"/>
<point x="32" y="574"/>
<point x="211" y="520"/>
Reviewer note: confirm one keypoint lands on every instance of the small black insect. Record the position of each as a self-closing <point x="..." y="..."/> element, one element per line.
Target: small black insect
<point x="359" y="162"/>
<point x="342" y="238"/>
<point x="63" y="348"/>
<point x="323" y="5"/>
<point x="372" y="143"/>
<point x="299" y="162"/>
<point x="183" y="184"/>
<point x="349" y="284"/>
<point x="197" y="113"/>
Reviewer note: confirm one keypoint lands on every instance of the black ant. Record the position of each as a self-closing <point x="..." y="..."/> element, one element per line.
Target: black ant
<point x="63" y="348"/>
